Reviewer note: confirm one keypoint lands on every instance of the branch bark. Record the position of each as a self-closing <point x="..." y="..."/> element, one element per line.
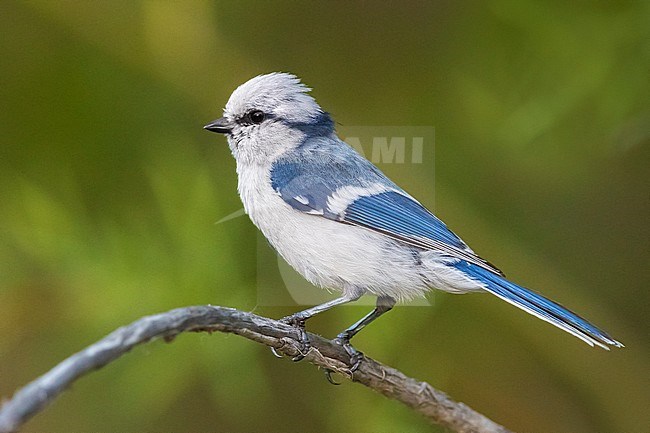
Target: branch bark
<point x="435" y="405"/>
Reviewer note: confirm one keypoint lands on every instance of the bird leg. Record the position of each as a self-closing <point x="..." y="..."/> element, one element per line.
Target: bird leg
<point x="384" y="304"/>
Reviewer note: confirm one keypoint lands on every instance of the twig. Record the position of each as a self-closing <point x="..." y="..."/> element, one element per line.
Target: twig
<point x="435" y="405"/>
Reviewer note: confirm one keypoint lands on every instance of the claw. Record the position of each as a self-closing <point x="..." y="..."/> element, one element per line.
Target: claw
<point x="299" y="323"/>
<point x="355" y="356"/>
<point x="275" y="352"/>
<point x="328" y="376"/>
<point x="304" y="350"/>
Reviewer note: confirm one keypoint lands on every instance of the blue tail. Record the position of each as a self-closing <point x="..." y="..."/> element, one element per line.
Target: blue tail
<point x="538" y="306"/>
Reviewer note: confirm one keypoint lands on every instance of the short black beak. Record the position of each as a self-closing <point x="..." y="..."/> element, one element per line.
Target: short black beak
<point x="222" y="126"/>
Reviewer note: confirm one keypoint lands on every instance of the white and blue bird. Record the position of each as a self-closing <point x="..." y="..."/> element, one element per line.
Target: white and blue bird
<point x="342" y="224"/>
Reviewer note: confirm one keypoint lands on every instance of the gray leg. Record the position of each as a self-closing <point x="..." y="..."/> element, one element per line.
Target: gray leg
<point x="384" y="304"/>
<point x="302" y="316"/>
<point x="298" y="319"/>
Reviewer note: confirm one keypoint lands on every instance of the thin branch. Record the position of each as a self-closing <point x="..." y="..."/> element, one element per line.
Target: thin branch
<point x="435" y="405"/>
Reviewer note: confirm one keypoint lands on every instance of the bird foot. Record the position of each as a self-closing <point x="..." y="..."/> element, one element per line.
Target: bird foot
<point x="355" y="356"/>
<point x="297" y="322"/>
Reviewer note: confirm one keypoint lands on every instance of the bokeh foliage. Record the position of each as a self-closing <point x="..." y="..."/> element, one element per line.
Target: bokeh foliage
<point x="110" y="190"/>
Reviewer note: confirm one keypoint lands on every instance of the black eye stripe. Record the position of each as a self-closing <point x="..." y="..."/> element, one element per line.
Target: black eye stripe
<point x="253" y="117"/>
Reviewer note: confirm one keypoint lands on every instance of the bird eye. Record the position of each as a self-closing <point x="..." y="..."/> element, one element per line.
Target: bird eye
<point x="256" y="117"/>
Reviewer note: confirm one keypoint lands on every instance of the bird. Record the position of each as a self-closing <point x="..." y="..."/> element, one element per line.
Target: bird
<point x="342" y="224"/>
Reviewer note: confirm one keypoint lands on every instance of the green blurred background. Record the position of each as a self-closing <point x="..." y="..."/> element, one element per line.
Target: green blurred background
<point x="110" y="190"/>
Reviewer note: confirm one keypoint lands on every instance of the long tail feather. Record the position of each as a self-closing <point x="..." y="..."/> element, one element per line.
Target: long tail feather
<point x="539" y="306"/>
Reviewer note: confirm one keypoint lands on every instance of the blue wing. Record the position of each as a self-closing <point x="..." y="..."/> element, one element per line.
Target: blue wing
<point x="313" y="175"/>
<point x="402" y="218"/>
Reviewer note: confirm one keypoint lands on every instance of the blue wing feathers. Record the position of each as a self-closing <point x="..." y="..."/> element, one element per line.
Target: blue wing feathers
<point x="398" y="216"/>
<point x="396" y="212"/>
<point x="538" y="305"/>
<point x="315" y="172"/>
<point x="293" y="180"/>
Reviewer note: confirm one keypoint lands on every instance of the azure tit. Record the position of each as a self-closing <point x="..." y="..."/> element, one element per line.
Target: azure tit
<point x="343" y="225"/>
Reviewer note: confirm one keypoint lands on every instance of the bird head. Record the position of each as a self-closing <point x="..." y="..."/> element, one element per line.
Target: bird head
<point x="270" y="115"/>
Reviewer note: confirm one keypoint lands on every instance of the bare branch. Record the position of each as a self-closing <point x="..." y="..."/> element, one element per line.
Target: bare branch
<point x="420" y="396"/>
